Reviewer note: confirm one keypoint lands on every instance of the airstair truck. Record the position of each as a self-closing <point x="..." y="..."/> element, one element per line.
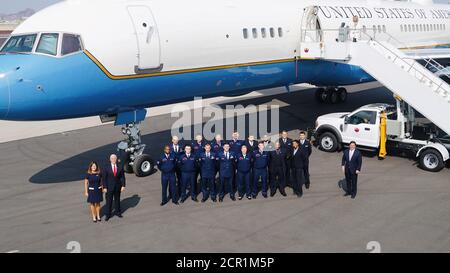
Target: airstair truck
<point x="404" y="132"/>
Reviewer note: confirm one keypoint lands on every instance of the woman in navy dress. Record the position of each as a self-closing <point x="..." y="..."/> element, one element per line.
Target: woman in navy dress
<point x="93" y="190"/>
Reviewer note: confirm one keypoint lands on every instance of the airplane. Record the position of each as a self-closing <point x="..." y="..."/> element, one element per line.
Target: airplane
<point x="115" y="58"/>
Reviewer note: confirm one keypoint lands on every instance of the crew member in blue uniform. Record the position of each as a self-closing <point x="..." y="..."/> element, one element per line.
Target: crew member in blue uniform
<point x="226" y="161"/>
<point x="166" y="165"/>
<point x="243" y="173"/>
<point x="207" y="162"/>
<point x="306" y="150"/>
<point x="197" y="148"/>
<point x="217" y="144"/>
<point x="187" y="165"/>
<point x="235" y="143"/>
<point x="278" y="168"/>
<point x="260" y="163"/>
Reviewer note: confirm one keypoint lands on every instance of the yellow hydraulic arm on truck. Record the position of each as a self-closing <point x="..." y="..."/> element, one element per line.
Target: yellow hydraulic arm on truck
<point x="382" y="154"/>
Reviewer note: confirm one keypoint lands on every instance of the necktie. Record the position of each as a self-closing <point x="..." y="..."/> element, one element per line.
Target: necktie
<point x="207" y="155"/>
<point x="115" y="170"/>
<point x="176" y="148"/>
<point x="227" y="156"/>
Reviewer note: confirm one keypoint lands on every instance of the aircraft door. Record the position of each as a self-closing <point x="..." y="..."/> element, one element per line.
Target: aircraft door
<point x="147" y="37"/>
<point x="311" y="28"/>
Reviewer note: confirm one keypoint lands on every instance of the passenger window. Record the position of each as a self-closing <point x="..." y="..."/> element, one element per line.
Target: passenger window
<point x="280" y="32"/>
<point x="272" y="32"/>
<point x="48" y="44"/>
<point x="263" y="33"/>
<point x="70" y="44"/>
<point x="245" y="32"/>
<point x="255" y="33"/>
<point x="363" y="117"/>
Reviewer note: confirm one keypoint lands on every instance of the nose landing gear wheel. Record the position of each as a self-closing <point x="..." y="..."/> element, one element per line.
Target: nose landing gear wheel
<point x="143" y="165"/>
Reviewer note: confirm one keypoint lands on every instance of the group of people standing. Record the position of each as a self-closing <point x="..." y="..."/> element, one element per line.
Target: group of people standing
<point x="233" y="167"/>
<point x="224" y="167"/>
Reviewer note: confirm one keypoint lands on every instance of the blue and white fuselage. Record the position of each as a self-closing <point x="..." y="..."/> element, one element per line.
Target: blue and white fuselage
<point x="83" y="58"/>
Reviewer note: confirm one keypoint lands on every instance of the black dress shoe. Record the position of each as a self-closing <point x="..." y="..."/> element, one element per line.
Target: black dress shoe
<point x="176" y="203"/>
<point x="353" y="196"/>
<point x="233" y="198"/>
<point x="307" y="186"/>
<point x="299" y="195"/>
<point x="264" y="195"/>
<point x="283" y="193"/>
<point x="194" y="199"/>
<point x="99" y="219"/>
<point x="163" y="203"/>
<point x="183" y="200"/>
<point x="346" y="194"/>
<point x="272" y="194"/>
<point x="107" y="218"/>
<point x="240" y="197"/>
<point x="214" y="200"/>
<point x="95" y="221"/>
<point x="220" y="200"/>
<point x="120" y="215"/>
<point x="253" y="196"/>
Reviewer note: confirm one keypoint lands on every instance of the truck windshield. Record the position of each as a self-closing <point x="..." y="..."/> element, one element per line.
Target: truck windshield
<point x="19" y="44"/>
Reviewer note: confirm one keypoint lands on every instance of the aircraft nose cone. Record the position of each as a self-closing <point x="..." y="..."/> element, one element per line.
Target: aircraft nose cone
<point x="4" y="95"/>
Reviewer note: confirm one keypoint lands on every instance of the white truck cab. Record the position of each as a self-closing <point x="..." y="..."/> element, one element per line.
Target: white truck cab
<point x="404" y="132"/>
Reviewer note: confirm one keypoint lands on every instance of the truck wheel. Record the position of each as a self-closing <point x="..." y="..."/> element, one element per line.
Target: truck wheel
<point x="143" y="165"/>
<point x="321" y="95"/>
<point x="328" y="142"/>
<point x="431" y="160"/>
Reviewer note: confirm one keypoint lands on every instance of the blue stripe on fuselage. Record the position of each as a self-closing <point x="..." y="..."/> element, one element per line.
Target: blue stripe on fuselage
<point x="47" y="88"/>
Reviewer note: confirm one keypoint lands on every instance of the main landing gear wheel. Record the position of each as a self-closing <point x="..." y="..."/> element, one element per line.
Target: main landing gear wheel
<point x="342" y="94"/>
<point x="135" y="161"/>
<point x="331" y="95"/>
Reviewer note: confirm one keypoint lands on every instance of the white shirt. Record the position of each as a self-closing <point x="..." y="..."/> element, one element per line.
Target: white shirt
<point x="302" y="142"/>
<point x="188" y="155"/>
<point x="226" y="155"/>
<point x="175" y="147"/>
<point x="112" y="167"/>
<point x="350" y="154"/>
<point x="295" y="151"/>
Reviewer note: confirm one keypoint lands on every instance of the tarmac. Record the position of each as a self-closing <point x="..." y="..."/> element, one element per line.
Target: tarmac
<point x="43" y="209"/>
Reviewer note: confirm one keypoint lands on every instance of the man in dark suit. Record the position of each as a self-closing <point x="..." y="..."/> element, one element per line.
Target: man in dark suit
<point x="297" y="169"/>
<point x="252" y="144"/>
<point x="306" y="150"/>
<point x="286" y="147"/>
<point x="113" y="182"/>
<point x="277" y="168"/>
<point x="176" y="148"/>
<point x="351" y="167"/>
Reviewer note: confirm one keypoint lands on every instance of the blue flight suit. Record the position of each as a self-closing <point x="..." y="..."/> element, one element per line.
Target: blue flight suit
<point x="226" y="173"/>
<point x="208" y="173"/>
<point x="187" y="167"/>
<point x="260" y="163"/>
<point x="235" y="146"/>
<point x="166" y="165"/>
<point x="197" y="149"/>
<point x="243" y="174"/>
<point x="217" y="147"/>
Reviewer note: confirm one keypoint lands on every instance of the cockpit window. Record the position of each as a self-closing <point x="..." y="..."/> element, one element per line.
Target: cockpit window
<point x="70" y="44"/>
<point x="20" y="44"/>
<point x="48" y="44"/>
